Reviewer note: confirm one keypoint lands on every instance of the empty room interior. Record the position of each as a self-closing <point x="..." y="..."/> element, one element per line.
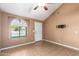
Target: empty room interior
<point x="39" y="29"/>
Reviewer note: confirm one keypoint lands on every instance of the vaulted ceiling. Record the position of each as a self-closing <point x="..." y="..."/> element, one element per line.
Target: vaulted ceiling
<point x="26" y="9"/>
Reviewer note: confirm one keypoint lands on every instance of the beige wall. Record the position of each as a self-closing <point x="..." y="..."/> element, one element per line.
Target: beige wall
<point x="0" y="29"/>
<point x="6" y="41"/>
<point x="67" y="14"/>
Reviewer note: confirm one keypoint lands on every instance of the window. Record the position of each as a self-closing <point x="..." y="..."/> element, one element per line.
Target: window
<point x="18" y="28"/>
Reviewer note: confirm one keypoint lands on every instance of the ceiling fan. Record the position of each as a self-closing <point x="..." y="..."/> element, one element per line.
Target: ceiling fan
<point x="42" y="5"/>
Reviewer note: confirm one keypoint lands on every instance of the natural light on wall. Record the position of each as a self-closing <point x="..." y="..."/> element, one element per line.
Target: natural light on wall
<point x="18" y="28"/>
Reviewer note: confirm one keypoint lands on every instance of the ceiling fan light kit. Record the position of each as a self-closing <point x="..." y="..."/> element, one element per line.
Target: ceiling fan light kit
<point x="42" y="6"/>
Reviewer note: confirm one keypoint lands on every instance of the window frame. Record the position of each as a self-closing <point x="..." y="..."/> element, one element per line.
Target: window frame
<point x="17" y="38"/>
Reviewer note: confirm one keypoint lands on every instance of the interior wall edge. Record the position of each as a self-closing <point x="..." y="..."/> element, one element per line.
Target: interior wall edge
<point x="16" y="46"/>
<point x="5" y="42"/>
<point x="67" y="14"/>
<point x="20" y="16"/>
<point x="53" y="12"/>
<point x="64" y="45"/>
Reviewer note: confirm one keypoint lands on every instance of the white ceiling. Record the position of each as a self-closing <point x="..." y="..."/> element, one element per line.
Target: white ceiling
<point x="26" y="9"/>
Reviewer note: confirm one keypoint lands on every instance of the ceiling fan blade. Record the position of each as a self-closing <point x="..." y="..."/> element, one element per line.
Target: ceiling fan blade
<point x="45" y="7"/>
<point x="35" y="7"/>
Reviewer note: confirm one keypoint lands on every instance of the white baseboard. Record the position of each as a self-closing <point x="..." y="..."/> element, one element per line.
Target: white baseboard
<point x="42" y="40"/>
<point x="16" y="46"/>
<point x="77" y="49"/>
